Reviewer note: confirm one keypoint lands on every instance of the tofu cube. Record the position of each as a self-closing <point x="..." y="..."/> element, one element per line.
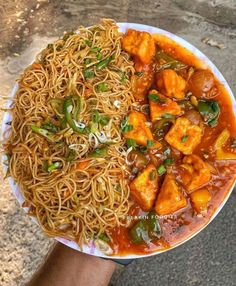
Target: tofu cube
<point x="139" y="44"/>
<point x="184" y="135"/>
<point x="141" y="133"/>
<point x="144" y="187"/>
<point x="170" y="198"/>
<point x="171" y="84"/>
<point x="161" y="105"/>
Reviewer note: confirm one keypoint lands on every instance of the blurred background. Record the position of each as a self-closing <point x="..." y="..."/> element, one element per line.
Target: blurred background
<point x="26" y="26"/>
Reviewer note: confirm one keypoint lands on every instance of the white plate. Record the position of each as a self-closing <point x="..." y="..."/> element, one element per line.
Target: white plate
<point x="91" y="249"/>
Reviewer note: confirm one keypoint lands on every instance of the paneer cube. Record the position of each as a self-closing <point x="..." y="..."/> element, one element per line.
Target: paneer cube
<point x="140" y="132"/>
<point x="170" y="199"/>
<point x="171" y="84"/>
<point x="139" y="44"/>
<point x="160" y="105"/>
<point x="184" y="135"/>
<point x="200" y="200"/>
<point x="194" y="173"/>
<point x="144" y="187"/>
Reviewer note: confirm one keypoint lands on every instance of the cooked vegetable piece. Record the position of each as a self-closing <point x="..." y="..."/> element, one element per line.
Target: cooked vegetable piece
<point x="200" y="199"/>
<point x="53" y="166"/>
<point x="162" y="105"/>
<point x="82" y="165"/>
<point x="193" y="116"/>
<point x="144" y="189"/>
<point x="184" y="135"/>
<point x="139" y="131"/>
<point x="57" y="106"/>
<point x="161" y="170"/>
<point x="166" y="61"/>
<point x="139" y="44"/>
<point x="220" y="142"/>
<point x="210" y="111"/>
<point x="102" y="87"/>
<point x="98" y="118"/>
<point x="70" y="112"/>
<point x="70" y="156"/>
<point x="162" y="126"/>
<point x="171" y="84"/>
<point x="89" y="73"/>
<point x="131" y="143"/>
<point x="104" y="237"/>
<point x="50" y="126"/>
<point x="99" y="152"/>
<point x="141" y="84"/>
<point x="194" y="172"/>
<point x="43" y="132"/>
<point x="104" y="63"/>
<point x="145" y="230"/>
<point x="139" y="159"/>
<point x="201" y="82"/>
<point x="170" y="198"/>
<point x="168" y="162"/>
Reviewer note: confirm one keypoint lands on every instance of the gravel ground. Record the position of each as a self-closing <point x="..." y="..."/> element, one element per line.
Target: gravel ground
<point x="25" y="27"/>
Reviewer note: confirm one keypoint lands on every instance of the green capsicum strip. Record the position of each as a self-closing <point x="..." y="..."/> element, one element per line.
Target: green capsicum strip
<point x="170" y="62"/>
<point x="104" y="63"/>
<point x="68" y="109"/>
<point x="78" y="106"/>
<point x="146" y="229"/>
<point x="45" y="133"/>
<point x="99" y="152"/>
<point x="53" y="166"/>
<point x="210" y="111"/>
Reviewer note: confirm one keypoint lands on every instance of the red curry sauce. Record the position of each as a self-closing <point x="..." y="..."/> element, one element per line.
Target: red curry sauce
<point x="183" y="223"/>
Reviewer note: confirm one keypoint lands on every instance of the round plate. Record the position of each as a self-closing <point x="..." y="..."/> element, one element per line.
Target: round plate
<point x="91" y="248"/>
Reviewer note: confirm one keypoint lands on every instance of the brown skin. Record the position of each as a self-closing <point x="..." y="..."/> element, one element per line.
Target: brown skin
<point x="67" y="267"/>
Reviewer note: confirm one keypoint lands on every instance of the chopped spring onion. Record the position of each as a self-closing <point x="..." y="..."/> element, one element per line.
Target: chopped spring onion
<point x="152" y="175"/>
<point x="88" y="43"/>
<point x="184" y="138"/>
<point x="167" y="116"/>
<point x="99" y="56"/>
<point x="168" y="162"/>
<point x="131" y="143"/>
<point x="95" y="49"/>
<point x="102" y="87"/>
<point x="88" y="73"/>
<point x="139" y="74"/>
<point x="53" y="166"/>
<point x="99" y="152"/>
<point x="161" y="170"/>
<point x="150" y="143"/>
<point x="104" y="63"/>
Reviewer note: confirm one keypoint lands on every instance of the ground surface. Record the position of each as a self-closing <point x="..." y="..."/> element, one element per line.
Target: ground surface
<point x="25" y="27"/>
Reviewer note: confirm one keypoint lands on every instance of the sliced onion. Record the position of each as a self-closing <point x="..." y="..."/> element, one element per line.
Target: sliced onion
<point x="80" y="124"/>
<point x="103" y="247"/>
<point x="76" y="147"/>
<point x="92" y="138"/>
<point x="117" y="103"/>
<point x="101" y="136"/>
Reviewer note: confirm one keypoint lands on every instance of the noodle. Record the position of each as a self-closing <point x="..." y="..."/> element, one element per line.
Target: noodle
<point x="83" y="197"/>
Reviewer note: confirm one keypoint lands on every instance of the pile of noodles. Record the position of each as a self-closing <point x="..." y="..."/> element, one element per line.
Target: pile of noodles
<point x="76" y="201"/>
